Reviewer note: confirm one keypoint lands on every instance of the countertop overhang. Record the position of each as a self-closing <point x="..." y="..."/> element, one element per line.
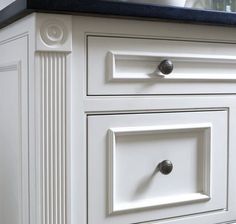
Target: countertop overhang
<point x="20" y="8"/>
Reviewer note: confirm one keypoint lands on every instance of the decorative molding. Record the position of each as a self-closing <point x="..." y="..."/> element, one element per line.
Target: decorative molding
<point x="54" y="33"/>
<point x="143" y="65"/>
<point x="204" y="195"/>
<point x="53" y="137"/>
<point x="14" y="66"/>
<point x="53" y="44"/>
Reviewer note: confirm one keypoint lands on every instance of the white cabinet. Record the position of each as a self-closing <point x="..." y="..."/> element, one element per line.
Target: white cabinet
<point x="92" y="130"/>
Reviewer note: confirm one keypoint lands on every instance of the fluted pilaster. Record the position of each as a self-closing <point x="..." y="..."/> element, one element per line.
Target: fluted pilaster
<point x="53" y="117"/>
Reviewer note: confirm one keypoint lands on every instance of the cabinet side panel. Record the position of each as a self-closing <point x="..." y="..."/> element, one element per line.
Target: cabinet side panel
<point x="10" y="147"/>
<point x="14" y="152"/>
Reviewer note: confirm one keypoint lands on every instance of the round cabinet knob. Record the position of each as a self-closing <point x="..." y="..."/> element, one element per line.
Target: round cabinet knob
<point x="166" y="67"/>
<point x="165" y="167"/>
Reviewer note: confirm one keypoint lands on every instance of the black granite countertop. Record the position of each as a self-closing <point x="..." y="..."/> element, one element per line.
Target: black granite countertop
<point x="20" y="8"/>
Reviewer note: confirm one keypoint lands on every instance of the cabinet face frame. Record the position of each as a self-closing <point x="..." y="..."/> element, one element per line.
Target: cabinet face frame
<point x="84" y="105"/>
<point x="90" y="105"/>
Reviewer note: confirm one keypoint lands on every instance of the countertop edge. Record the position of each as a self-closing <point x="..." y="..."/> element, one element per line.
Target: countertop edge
<point x="21" y="8"/>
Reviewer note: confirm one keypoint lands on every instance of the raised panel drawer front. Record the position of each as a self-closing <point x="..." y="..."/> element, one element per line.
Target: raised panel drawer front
<point x="157" y="166"/>
<point x="127" y="66"/>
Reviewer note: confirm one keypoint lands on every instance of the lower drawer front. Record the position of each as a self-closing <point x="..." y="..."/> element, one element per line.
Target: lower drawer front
<point x="144" y="167"/>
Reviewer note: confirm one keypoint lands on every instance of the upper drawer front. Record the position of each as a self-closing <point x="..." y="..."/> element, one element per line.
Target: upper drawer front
<point x="125" y="66"/>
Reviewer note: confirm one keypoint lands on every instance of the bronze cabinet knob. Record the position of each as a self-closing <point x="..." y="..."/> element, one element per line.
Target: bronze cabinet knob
<point x="165" y="167"/>
<point x="166" y="67"/>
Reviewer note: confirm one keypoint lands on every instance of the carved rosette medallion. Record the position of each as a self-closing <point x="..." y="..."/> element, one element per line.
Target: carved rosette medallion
<point x="53" y="33"/>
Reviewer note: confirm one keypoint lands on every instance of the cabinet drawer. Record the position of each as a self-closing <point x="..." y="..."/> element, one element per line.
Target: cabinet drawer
<point x="144" y="167"/>
<point x="126" y="66"/>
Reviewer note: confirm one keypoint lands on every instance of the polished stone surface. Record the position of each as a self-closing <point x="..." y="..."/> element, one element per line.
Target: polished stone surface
<point x="20" y="8"/>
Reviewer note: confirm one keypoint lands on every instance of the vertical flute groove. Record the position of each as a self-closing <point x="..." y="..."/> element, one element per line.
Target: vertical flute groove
<point x="59" y="142"/>
<point x="51" y="138"/>
<point x="47" y="133"/>
<point x="53" y="68"/>
<point x="55" y="141"/>
<point x="63" y="155"/>
<point x="43" y="141"/>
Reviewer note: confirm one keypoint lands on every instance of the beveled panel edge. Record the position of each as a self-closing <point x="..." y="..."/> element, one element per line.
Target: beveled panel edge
<point x="190" y="198"/>
<point x="113" y="56"/>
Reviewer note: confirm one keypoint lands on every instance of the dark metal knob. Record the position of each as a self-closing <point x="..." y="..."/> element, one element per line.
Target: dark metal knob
<point x="165" y="167"/>
<point x="166" y="67"/>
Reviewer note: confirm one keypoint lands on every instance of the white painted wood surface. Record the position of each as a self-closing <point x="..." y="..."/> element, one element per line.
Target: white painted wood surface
<point x="14" y="152"/>
<point x="53" y="151"/>
<point x="138" y="190"/>
<point x="112" y="105"/>
<point x="53" y="45"/>
<point x="135" y="151"/>
<point x="128" y="66"/>
<point x="133" y="66"/>
<point x="60" y="120"/>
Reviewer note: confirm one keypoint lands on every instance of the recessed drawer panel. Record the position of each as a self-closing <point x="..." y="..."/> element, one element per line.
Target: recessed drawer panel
<point x="123" y="66"/>
<point x="144" y="167"/>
